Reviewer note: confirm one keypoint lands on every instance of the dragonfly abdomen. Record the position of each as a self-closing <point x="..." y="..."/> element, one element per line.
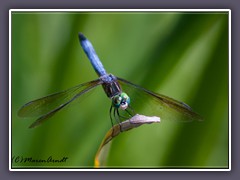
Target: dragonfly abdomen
<point x="92" y="55"/>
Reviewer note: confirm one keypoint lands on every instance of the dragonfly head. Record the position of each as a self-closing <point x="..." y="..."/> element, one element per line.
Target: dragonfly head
<point x="121" y="101"/>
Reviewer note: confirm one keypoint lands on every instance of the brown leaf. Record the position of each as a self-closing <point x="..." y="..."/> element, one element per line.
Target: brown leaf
<point x="129" y="124"/>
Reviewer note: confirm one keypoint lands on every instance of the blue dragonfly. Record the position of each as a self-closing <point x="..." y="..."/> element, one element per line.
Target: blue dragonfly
<point x="119" y="90"/>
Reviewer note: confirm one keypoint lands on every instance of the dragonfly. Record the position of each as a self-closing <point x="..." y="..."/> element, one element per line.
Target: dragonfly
<point x="127" y="99"/>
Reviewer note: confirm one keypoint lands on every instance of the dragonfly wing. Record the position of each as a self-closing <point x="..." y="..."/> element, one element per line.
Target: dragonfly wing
<point x="46" y="107"/>
<point x="149" y="103"/>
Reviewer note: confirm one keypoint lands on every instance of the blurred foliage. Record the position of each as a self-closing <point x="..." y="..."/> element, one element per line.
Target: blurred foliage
<point x="181" y="55"/>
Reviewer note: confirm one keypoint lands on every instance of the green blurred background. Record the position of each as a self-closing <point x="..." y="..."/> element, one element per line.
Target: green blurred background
<point x="181" y="55"/>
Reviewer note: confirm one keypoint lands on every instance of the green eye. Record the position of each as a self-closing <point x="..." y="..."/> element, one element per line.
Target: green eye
<point x="116" y="101"/>
<point x="122" y="100"/>
<point x="125" y="97"/>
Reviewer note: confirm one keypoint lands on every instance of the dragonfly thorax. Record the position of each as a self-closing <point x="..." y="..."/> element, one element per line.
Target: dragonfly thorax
<point x="110" y="85"/>
<point x="121" y="101"/>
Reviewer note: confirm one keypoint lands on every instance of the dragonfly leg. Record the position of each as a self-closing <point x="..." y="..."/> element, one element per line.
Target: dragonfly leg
<point x="110" y="113"/>
<point x="129" y="113"/>
<point x="117" y="117"/>
<point x="132" y="110"/>
<point x="121" y="116"/>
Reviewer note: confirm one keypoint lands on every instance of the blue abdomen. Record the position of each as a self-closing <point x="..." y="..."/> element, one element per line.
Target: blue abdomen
<point x="91" y="54"/>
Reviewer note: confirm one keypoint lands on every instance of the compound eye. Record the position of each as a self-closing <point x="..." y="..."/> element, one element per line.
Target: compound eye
<point x="121" y="101"/>
<point x="125" y="97"/>
<point x="116" y="101"/>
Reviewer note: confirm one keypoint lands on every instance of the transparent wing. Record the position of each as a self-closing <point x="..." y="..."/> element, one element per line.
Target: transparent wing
<point x="152" y="104"/>
<point x="46" y="107"/>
